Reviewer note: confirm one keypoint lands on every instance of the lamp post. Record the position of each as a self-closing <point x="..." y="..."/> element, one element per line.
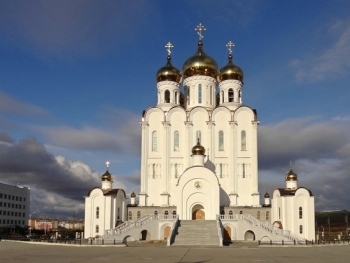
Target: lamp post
<point x="30" y="223"/>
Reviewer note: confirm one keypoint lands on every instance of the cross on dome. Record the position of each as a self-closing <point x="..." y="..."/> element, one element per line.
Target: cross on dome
<point x="107" y="164"/>
<point x="229" y="46"/>
<point x="199" y="30"/>
<point x="169" y="46"/>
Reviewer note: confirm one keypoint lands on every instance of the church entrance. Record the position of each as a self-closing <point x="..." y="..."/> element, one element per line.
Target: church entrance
<point x="198" y="213"/>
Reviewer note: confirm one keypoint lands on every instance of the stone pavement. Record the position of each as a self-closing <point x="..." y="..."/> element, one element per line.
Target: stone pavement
<point x="40" y="253"/>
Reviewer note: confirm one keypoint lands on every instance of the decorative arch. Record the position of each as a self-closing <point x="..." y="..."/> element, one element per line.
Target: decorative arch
<point x="145" y="235"/>
<point x="249" y="235"/>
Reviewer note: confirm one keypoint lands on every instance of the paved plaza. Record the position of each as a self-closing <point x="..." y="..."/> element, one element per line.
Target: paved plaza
<point x="40" y="253"/>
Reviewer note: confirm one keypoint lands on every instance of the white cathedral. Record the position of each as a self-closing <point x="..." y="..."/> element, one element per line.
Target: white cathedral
<point x="199" y="168"/>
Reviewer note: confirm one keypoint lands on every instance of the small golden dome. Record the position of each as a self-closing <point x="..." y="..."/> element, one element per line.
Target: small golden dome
<point x="168" y="72"/>
<point x="133" y="195"/>
<point x="200" y="64"/>
<point x="198" y="149"/>
<point x="291" y="176"/>
<point x="267" y="195"/>
<point x="106" y="176"/>
<point x="230" y="71"/>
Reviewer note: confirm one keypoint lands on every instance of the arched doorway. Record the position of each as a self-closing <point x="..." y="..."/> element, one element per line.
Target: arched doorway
<point x="249" y="236"/>
<point x="198" y="212"/>
<point x="145" y="235"/>
<point x="227" y="233"/>
<point x="166" y="232"/>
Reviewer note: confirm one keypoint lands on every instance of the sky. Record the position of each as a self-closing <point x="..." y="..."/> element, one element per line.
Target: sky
<point x="75" y="77"/>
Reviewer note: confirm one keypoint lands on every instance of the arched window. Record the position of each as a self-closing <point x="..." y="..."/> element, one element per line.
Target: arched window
<point x="243" y="141"/>
<point x="153" y="171"/>
<point x="222" y="212"/>
<point x="241" y="212"/>
<point x="211" y="95"/>
<point x="118" y="212"/>
<point x="176" y="99"/>
<point x="200" y="93"/>
<point x="243" y="170"/>
<point x="230" y="213"/>
<point x="300" y="212"/>
<point x="221" y="140"/>
<point x="220" y="171"/>
<point x="279" y="213"/>
<point x="176" y="141"/>
<point x="166" y="213"/>
<point x="97" y="229"/>
<point x="267" y="215"/>
<point x="258" y="215"/>
<point x="97" y="212"/>
<point x="222" y="96"/>
<point x="199" y="136"/>
<point x="154" y="141"/>
<point x="167" y="96"/>
<point x="130" y="215"/>
<point x="176" y="171"/>
<point x="300" y="229"/>
<point x="188" y="95"/>
<point x="240" y="96"/>
<point x="174" y="214"/>
<point x="156" y="214"/>
<point x="138" y="214"/>
<point x="230" y="95"/>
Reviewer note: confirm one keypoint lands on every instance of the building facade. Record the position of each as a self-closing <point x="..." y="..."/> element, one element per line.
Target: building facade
<point x="14" y="205"/>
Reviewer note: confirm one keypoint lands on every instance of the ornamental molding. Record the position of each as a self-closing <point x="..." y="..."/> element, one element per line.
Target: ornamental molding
<point x="199" y="78"/>
<point x="168" y="83"/>
<point x="230" y="81"/>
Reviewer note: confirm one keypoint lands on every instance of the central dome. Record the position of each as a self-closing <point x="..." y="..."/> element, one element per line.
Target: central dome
<point x="200" y="64"/>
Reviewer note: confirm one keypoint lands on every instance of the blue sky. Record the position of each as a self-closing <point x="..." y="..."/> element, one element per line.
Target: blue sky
<point x="75" y="77"/>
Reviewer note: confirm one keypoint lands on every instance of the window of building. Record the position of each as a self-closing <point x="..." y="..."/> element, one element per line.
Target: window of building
<point x="300" y="212"/>
<point x="174" y="214"/>
<point x="13" y="198"/>
<point x="166" y="213"/>
<point x="230" y="213"/>
<point x="258" y="215"/>
<point x="167" y="96"/>
<point x="0" y="195"/>
<point x="154" y="141"/>
<point x="20" y="199"/>
<point x="24" y="214"/>
<point x="221" y="140"/>
<point x="241" y="212"/>
<point x="15" y="213"/>
<point x="279" y="213"/>
<point x="16" y="205"/>
<point x="222" y="96"/>
<point x="156" y="214"/>
<point x="130" y="215"/>
<point x="0" y="204"/>
<point x="199" y="136"/>
<point x="97" y="212"/>
<point x="300" y="229"/>
<point x="267" y="215"/>
<point x="5" y="196"/>
<point x="11" y="213"/>
<point x="243" y="141"/>
<point x="24" y="206"/>
<point x="188" y="95"/>
<point x="176" y="141"/>
<point x="230" y="95"/>
<point x="24" y="199"/>
<point x="154" y="171"/>
<point x="222" y="212"/>
<point x="20" y="206"/>
<point x="0" y="212"/>
<point x="138" y="214"/>
<point x="11" y="221"/>
<point x="13" y="205"/>
<point x="8" y="213"/>
<point x="176" y="100"/>
<point x="200" y="93"/>
<point x="211" y="95"/>
<point x="176" y="171"/>
<point x="16" y="198"/>
<point x="97" y="229"/>
<point x="240" y="96"/>
<point x="243" y="170"/>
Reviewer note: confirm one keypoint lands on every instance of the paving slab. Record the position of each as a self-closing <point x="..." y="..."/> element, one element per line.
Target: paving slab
<point x="13" y="252"/>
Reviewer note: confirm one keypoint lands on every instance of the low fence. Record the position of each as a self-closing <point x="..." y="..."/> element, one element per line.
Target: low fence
<point x="67" y="241"/>
<point x="306" y="242"/>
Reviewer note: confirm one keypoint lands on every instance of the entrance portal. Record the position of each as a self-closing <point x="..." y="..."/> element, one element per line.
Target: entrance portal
<point x="198" y="212"/>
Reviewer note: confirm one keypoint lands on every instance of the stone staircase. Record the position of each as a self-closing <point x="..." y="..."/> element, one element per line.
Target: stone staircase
<point x="197" y="233"/>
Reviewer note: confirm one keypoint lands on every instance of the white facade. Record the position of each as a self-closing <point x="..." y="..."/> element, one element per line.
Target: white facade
<point x="105" y="208"/>
<point x="14" y="205"/>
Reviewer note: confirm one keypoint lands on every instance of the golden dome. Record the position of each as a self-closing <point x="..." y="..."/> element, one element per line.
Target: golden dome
<point x="267" y="195"/>
<point x="291" y="176"/>
<point x="168" y="72"/>
<point x="133" y="195"/>
<point x="106" y="176"/>
<point x="198" y="149"/>
<point x="230" y="71"/>
<point x="200" y="64"/>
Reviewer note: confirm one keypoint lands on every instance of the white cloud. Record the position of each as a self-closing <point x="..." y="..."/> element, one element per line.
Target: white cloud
<point x="331" y="63"/>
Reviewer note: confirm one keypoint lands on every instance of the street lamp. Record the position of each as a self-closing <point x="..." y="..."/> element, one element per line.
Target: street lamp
<point x="30" y="223"/>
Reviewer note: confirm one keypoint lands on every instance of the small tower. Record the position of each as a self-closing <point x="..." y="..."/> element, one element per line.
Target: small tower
<point x="106" y="179"/>
<point x="133" y="198"/>
<point x="267" y="200"/>
<point x="291" y="179"/>
<point x="231" y="83"/>
<point x="168" y="84"/>
<point x="198" y="154"/>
